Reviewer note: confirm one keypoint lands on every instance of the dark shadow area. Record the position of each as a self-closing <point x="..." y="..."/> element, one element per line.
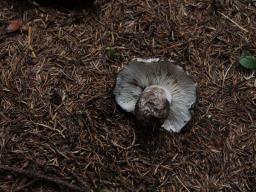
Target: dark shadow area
<point x="147" y="138"/>
<point x="22" y="5"/>
<point x="67" y="3"/>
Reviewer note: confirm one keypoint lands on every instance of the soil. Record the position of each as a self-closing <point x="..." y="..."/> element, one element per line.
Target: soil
<point x="60" y="128"/>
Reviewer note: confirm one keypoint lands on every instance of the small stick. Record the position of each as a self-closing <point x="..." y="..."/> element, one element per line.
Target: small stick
<point x="39" y="176"/>
<point x="51" y="128"/>
<point x="182" y="184"/>
<point x="25" y="185"/>
<point x="96" y="97"/>
<point x="232" y="21"/>
<point x="30" y="41"/>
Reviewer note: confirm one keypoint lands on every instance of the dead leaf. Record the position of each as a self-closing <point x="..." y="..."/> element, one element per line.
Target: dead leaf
<point x="13" y="26"/>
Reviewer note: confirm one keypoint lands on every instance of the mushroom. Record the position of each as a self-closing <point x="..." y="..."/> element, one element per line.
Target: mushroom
<point x="157" y="91"/>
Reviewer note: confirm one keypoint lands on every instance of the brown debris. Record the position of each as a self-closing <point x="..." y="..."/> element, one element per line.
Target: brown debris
<point x="13" y="25"/>
<point x="85" y="139"/>
<point x="38" y="176"/>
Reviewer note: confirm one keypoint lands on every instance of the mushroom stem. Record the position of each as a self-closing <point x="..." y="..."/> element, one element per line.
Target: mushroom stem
<point x="153" y="105"/>
<point x="162" y="90"/>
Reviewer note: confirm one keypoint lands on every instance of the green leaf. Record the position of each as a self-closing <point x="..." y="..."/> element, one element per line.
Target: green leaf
<point x="248" y="62"/>
<point x="111" y="52"/>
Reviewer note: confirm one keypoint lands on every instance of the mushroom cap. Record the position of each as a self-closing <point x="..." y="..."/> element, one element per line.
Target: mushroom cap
<point x="140" y="74"/>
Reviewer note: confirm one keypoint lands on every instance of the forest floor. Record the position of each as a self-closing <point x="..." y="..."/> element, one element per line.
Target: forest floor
<point x="60" y="129"/>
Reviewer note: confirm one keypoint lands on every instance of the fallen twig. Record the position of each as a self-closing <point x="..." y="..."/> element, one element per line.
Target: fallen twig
<point x="182" y="184"/>
<point x="96" y="97"/>
<point x="25" y="185"/>
<point x="39" y="176"/>
<point x="30" y="41"/>
<point x="232" y="21"/>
